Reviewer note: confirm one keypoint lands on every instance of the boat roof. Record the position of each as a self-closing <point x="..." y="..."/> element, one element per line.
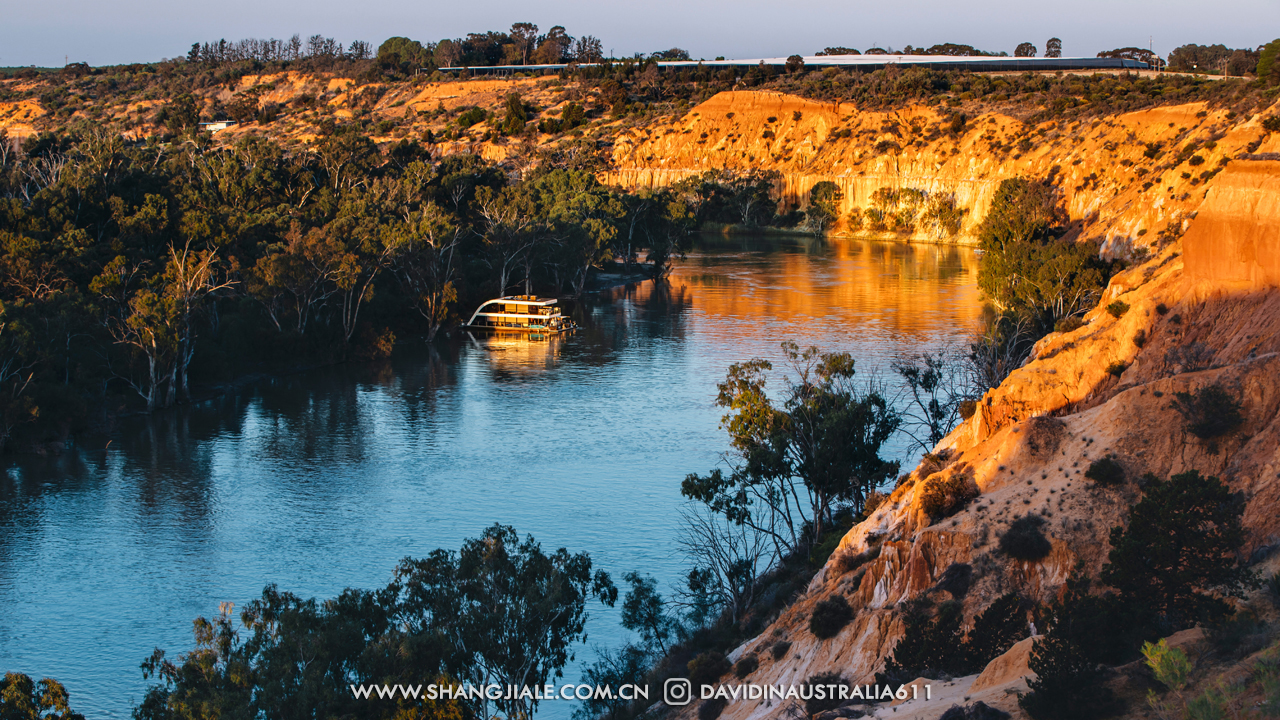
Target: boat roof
<point x="524" y="300"/>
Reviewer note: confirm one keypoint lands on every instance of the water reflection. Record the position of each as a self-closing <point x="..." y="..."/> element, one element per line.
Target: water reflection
<point x="324" y="480"/>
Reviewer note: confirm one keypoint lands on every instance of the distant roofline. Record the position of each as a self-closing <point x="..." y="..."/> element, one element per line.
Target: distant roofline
<point x="967" y="62"/>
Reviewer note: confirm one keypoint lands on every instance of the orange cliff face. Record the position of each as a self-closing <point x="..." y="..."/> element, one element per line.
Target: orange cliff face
<point x="1120" y="176"/>
<point x="1204" y="310"/>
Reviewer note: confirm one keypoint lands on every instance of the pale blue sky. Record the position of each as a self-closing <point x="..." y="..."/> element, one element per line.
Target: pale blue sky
<point x="42" y="32"/>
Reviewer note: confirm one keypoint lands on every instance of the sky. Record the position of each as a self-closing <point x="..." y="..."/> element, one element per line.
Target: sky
<point x="48" y="33"/>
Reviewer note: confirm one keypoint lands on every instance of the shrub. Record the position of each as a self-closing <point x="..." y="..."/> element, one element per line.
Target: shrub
<point x="471" y="116"/>
<point x="779" y="649"/>
<point x="1195" y="160"/>
<point x="711" y="709"/>
<point x="1273" y="588"/>
<point x="1025" y="540"/>
<point x="874" y="500"/>
<point x="955" y="580"/>
<point x="1161" y="309"/>
<point x="994" y="631"/>
<point x="813" y="705"/>
<point x="850" y="562"/>
<point x="1177" y="555"/>
<point x="1068" y="686"/>
<point x="1067" y="324"/>
<point x="1170" y="666"/>
<point x="829" y="617"/>
<point x="1118" y="308"/>
<point x="1105" y="471"/>
<point x="707" y="668"/>
<point x="1117" y="368"/>
<point x="1239" y="635"/>
<point x="928" y="647"/>
<point x="1209" y="412"/>
<point x="21" y="697"/>
<point x="976" y="711"/>
<point x="1140" y="338"/>
<point x="1190" y="357"/>
<point x="945" y="496"/>
<point x="1271" y="124"/>
<point x="968" y="408"/>
<point x="746" y="666"/>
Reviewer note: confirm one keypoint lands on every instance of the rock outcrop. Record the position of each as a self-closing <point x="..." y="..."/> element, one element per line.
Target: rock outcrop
<point x="1204" y="309"/>
<point x="1127" y="178"/>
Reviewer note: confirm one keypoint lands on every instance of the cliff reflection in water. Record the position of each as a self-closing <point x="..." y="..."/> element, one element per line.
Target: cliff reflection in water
<point x="324" y="480"/>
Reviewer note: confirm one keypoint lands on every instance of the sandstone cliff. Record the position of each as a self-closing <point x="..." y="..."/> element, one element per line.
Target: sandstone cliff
<point x="1203" y="309"/>
<point x="1126" y="178"/>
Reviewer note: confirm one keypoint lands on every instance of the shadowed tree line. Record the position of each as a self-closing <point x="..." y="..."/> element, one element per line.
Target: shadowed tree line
<point x="137" y="270"/>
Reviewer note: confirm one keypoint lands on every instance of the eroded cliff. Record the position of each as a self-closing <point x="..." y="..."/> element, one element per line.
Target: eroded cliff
<point x="1126" y="178"/>
<point x="1204" y="309"/>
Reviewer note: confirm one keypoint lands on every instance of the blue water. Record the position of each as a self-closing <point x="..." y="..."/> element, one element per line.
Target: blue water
<point x="325" y="480"/>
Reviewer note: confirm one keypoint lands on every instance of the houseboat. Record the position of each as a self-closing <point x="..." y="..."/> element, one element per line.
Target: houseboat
<point x="521" y="314"/>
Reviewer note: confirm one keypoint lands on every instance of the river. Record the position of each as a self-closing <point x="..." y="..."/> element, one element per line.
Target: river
<point x="324" y="480"/>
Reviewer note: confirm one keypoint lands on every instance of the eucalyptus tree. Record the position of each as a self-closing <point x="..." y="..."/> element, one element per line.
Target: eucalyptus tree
<point x="793" y="463"/>
<point x="509" y="611"/>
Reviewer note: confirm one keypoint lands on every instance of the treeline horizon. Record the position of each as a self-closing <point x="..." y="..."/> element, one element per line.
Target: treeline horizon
<point x="523" y="44"/>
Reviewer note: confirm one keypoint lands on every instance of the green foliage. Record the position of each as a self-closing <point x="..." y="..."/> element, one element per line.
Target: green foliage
<point x="1177" y="556"/>
<point x="1027" y="271"/>
<point x="829" y="617"/>
<point x="1105" y="471"/>
<point x="946" y="495"/>
<point x="996" y="629"/>
<point x="821" y="444"/>
<point x="707" y="668"/>
<point x="977" y="711"/>
<point x="500" y="610"/>
<point x="1244" y="633"/>
<point x="643" y="612"/>
<point x="824" y="206"/>
<point x="1209" y="412"/>
<point x="1170" y="666"/>
<point x="516" y="115"/>
<point x="942" y="216"/>
<point x="1025" y="540"/>
<point x="1067" y="324"/>
<point x="471" y="116"/>
<point x="404" y="54"/>
<point x="746" y="666"/>
<point x="1268" y="67"/>
<point x="779" y="649"/>
<point x="711" y="709"/>
<point x="830" y="700"/>
<point x="731" y="197"/>
<point x="1068" y="686"/>
<point x="1118" y="308"/>
<point x="928" y="646"/>
<point x="182" y="114"/>
<point x="21" y="698"/>
<point x="628" y="665"/>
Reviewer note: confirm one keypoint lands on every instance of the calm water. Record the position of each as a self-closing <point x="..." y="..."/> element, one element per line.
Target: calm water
<point x="325" y="480"/>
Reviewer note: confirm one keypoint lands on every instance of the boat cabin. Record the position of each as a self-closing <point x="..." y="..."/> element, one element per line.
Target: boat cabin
<point x="520" y="313"/>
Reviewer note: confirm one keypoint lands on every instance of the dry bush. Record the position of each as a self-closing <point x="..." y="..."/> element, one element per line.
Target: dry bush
<point x="945" y="496"/>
